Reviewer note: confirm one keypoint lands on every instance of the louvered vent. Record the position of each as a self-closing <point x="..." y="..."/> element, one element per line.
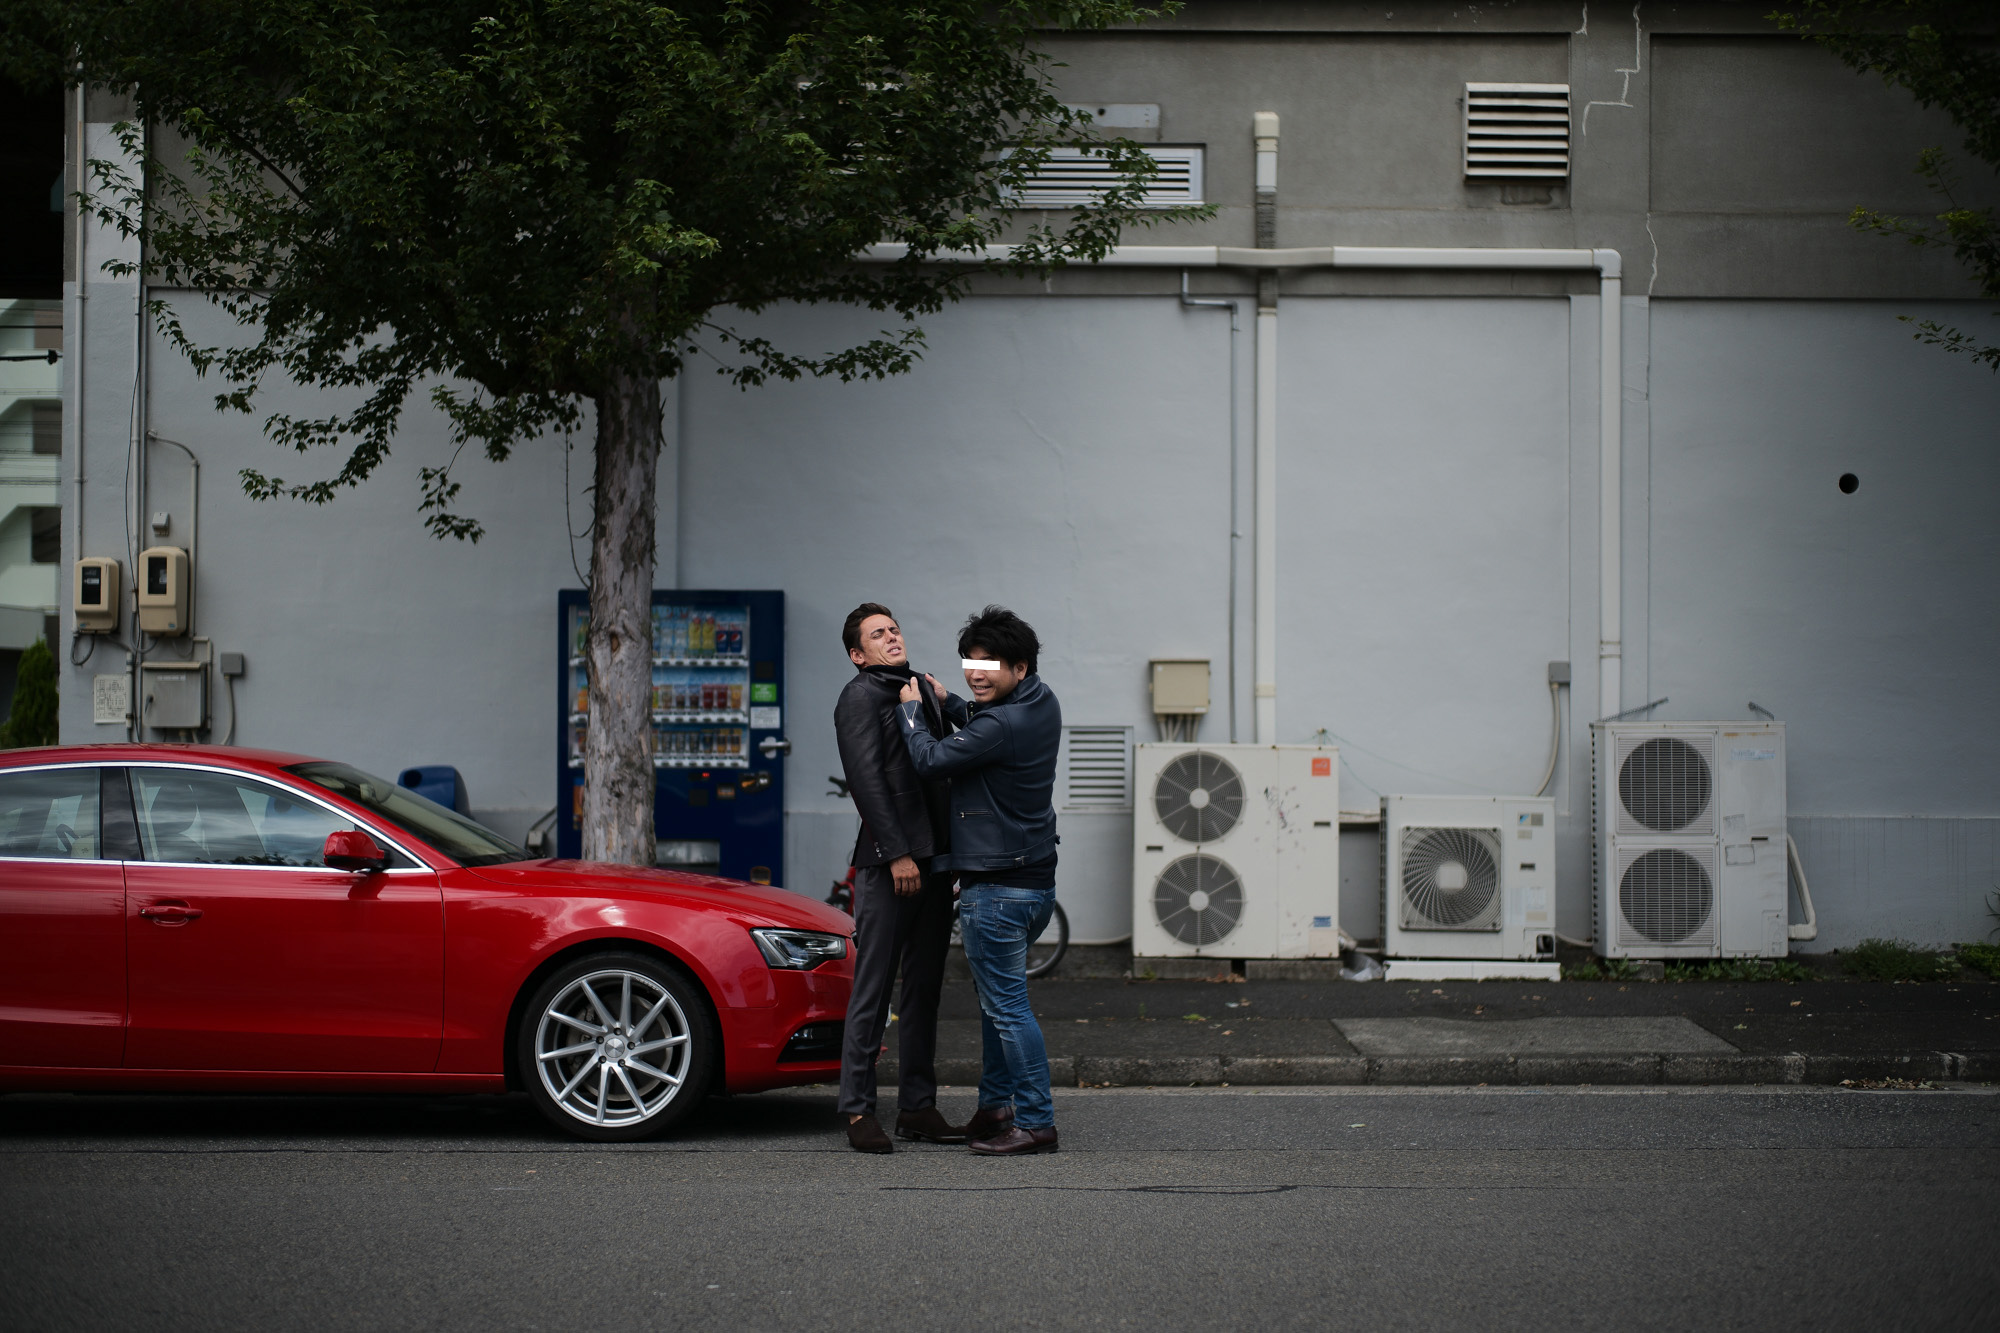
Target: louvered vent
<point x="1517" y="129"/>
<point x="1097" y="768"/>
<point x="1072" y="177"/>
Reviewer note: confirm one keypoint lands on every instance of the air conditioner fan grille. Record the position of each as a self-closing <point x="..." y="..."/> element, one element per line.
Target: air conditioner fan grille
<point x="1665" y="784"/>
<point x="1451" y="879"/>
<point x="1198" y="797"/>
<point x="1198" y="900"/>
<point x="1666" y="895"/>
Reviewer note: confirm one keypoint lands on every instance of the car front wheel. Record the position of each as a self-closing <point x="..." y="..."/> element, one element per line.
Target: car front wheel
<point x="616" y="1046"/>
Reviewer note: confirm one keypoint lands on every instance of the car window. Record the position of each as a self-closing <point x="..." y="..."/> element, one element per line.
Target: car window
<point x="187" y="815"/>
<point x="466" y="842"/>
<point x="49" y="812"/>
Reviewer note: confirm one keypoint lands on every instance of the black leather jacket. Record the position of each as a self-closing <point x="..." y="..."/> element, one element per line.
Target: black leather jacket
<point x="1002" y="766"/>
<point x="901" y="814"/>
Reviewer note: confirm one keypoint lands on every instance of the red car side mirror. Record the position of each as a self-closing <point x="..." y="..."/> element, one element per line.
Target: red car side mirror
<point x="351" y="849"/>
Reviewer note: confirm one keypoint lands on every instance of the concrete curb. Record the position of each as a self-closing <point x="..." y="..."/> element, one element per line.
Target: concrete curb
<point x="1089" y="1071"/>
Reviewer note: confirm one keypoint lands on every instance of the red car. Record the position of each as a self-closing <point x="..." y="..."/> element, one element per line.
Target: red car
<point x="191" y="917"/>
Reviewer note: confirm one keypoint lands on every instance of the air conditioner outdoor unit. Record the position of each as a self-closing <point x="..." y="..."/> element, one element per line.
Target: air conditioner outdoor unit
<point x="1236" y="851"/>
<point x="1468" y="876"/>
<point x="1689" y="855"/>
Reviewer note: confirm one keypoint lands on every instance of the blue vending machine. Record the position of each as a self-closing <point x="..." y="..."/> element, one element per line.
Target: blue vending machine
<point x="719" y="744"/>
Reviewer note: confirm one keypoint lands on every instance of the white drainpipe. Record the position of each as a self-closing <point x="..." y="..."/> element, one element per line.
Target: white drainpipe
<point x="1265" y="520"/>
<point x="1610" y="650"/>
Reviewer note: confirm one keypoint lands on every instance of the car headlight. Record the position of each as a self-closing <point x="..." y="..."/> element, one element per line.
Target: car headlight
<point x="800" y="949"/>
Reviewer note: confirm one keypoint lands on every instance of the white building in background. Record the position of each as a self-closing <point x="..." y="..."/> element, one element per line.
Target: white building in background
<point x="1404" y="478"/>
<point x="30" y="508"/>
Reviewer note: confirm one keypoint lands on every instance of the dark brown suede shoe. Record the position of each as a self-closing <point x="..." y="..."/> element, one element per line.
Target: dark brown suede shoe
<point x="988" y="1121"/>
<point x="928" y="1125"/>
<point x="1017" y="1142"/>
<point x="865" y="1135"/>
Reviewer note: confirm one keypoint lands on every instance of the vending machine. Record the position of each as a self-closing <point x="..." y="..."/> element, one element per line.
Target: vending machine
<point x="717" y="701"/>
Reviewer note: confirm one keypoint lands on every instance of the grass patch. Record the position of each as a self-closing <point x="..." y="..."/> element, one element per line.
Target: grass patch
<point x="1897" y="960"/>
<point x="1602" y="969"/>
<point x="1981" y="958"/>
<point x="1740" y="969"/>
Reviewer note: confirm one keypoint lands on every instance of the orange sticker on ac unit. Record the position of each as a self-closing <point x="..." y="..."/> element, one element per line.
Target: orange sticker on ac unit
<point x="1322" y="768"/>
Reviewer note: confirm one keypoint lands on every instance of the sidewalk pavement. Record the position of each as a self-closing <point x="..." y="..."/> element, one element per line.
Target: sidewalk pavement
<point x="1104" y="1033"/>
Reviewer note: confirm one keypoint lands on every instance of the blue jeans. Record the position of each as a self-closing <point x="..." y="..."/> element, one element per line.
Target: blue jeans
<point x="997" y="922"/>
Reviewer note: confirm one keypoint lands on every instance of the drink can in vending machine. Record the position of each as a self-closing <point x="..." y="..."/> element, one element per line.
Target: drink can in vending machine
<point x="735" y="698"/>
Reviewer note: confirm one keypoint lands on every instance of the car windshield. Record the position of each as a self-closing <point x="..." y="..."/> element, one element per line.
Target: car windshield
<point x="453" y="834"/>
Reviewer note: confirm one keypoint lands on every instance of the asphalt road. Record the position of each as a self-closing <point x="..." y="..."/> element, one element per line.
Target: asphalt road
<point x="1181" y="1209"/>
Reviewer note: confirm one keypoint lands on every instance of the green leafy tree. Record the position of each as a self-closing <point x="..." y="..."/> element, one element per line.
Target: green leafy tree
<point x="531" y="212"/>
<point x="32" y="718"/>
<point x="1942" y="53"/>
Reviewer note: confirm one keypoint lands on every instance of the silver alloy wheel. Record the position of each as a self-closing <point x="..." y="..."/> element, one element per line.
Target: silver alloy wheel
<point x="613" y="1048"/>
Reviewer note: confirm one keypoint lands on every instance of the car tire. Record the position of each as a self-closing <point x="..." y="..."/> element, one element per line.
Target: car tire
<point x="617" y="1046"/>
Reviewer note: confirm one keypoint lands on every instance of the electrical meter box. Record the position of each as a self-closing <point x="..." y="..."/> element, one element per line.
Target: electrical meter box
<point x="1180" y="685"/>
<point x="163" y="591"/>
<point x="176" y="695"/>
<point x="96" y="598"/>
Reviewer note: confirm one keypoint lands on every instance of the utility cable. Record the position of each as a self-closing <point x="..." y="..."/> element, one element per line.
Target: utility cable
<point x="1555" y="735"/>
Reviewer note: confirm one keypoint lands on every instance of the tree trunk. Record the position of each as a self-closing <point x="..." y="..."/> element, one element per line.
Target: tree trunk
<point x="618" y="751"/>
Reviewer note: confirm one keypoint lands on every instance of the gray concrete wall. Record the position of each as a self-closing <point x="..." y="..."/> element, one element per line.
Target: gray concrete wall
<point x="364" y="637"/>
<point x="1070" y="458"/>
<point x="1065" y="448"/>
<point x="1721" y="157"/>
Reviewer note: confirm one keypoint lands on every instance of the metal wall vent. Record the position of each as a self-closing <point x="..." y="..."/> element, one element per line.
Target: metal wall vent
<point x="1096" y="768"/>
<point x="1517" y="129"/>
<point x="1198" y="900"/>
<point x="1451" y="879"/>
<point x="1666" y="784"/>
<point x="1199" y="796"/>
<point x="1666" y="895"/>
<point x="1072" y="177"/>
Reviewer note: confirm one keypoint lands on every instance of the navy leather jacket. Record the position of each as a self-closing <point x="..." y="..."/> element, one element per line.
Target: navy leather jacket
<point x="1002" y="766"/>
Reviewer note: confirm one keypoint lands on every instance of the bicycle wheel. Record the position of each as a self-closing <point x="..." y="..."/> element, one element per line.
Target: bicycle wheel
<point x="1047" y="950"/>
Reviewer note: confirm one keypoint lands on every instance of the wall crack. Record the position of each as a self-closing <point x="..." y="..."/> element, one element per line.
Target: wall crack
<point x="1625" y="74"/>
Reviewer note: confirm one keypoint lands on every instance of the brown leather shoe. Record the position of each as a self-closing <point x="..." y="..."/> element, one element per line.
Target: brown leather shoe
<point x="865" y="1135"/>
<point x="1017" y="1142"/>
<point x="928" y="1125"/>
<point x="988" y="1121"/>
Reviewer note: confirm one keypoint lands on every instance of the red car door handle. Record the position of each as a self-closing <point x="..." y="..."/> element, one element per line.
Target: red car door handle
<point x="170" y="914"/>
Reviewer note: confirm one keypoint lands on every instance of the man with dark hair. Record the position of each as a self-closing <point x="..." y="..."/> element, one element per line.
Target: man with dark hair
<point x="1002" y="766"/>
<point x="902" y="908"/>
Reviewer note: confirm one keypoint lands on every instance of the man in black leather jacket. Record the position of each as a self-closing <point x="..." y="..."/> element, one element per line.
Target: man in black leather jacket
<point x="902" y="906"/>
<point x="1002" y="766"/>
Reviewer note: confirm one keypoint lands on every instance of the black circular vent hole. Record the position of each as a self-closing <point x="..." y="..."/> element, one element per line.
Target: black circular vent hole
<point x="1849" y="483"/>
